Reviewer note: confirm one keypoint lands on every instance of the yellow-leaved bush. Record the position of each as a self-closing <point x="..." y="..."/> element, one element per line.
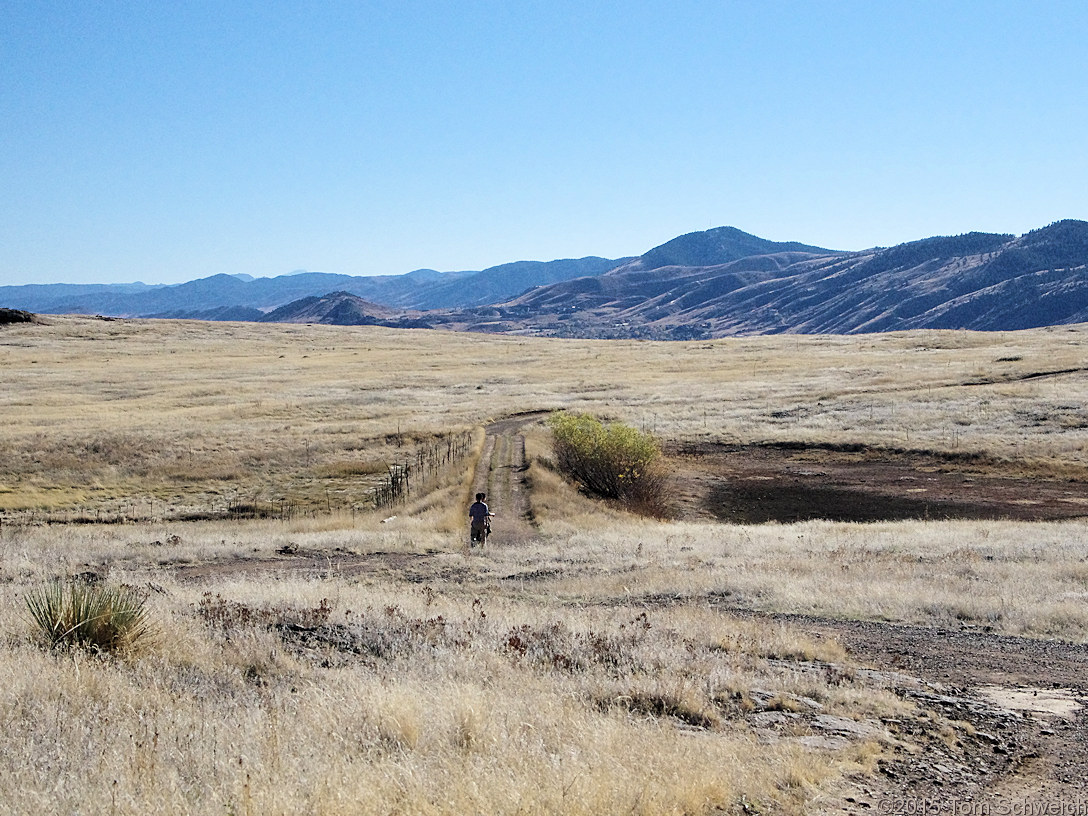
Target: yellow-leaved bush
<point x="613" y="460"/>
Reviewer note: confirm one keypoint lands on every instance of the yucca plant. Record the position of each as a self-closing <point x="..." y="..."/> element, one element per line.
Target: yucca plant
<point x="94" y="617"/>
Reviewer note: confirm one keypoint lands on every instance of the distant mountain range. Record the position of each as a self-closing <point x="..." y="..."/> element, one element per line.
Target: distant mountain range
<point x="704" y="284"/>
<point x="239" y="297"/>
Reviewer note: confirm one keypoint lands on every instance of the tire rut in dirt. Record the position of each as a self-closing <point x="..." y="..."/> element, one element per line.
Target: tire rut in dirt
<point x="501" y="475"/>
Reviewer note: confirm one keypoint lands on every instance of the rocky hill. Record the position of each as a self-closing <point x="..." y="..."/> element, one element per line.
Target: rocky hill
<point x="9" y="316"/>
<point x="343" y="309"/>
<point x="974" y="281"/>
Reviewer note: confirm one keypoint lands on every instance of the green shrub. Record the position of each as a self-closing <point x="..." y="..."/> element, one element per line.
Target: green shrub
<point x="89" y="616"/>
<point x="614" y="461"/>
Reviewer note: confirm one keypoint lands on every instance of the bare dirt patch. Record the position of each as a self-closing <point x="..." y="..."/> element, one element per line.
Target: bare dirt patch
<point x="1024" y="738"/>
<point x="1059" y="702"/>
<point x="752" y="484"/>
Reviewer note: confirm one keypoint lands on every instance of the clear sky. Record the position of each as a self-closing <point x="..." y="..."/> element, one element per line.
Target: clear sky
<point x="163" y="141"/>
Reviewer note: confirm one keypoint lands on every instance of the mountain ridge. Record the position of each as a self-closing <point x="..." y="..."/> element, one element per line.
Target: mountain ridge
<point x="973" y="281"/>
<point x="414" y="290"/>
<point x="702" y="284"/>
<point x="715" y="246"/>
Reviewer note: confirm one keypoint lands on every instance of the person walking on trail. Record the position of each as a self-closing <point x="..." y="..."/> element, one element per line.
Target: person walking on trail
<point x="481" y="520"/>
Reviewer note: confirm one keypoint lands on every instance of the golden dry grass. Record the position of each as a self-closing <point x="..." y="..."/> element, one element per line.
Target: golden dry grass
<point x="313" y="692"/>
<point x="540" y="691"/>
<point x="1017" y="578"/>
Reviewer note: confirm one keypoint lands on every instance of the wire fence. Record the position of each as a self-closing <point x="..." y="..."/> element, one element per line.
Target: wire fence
<point x="419" y="472"/>
<point x="412" y="474"/>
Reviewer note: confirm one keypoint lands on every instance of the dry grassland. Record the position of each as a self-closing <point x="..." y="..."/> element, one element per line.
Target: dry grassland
<point x="590" y="668"/>
<point x="148" y="418"/>
<point x="318" y="692"/>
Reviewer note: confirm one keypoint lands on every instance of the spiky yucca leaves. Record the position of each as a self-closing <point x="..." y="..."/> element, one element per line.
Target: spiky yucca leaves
<point x="94" y="617"/>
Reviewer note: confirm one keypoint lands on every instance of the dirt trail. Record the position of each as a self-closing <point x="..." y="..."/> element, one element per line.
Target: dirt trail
<point x="501" y="475"/>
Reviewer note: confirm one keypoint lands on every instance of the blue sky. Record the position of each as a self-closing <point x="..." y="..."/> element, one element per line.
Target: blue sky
<point x="169" y="141"/>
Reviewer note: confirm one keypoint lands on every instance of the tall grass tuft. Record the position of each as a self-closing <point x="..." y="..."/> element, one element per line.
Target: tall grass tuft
<point x="93" y="617"/>
<point x="614" y="461"/>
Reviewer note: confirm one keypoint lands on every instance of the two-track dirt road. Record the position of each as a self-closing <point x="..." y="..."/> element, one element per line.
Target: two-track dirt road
<point x="501" y="475"/>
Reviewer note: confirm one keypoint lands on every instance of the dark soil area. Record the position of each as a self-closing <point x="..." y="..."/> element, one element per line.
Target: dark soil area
<point x="752" y="484"/>
<point x="8" y="316"/>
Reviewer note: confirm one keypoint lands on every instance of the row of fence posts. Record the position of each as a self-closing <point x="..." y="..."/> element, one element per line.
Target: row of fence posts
<point x="430" y="461"/>
<point x="412" y="474"/>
